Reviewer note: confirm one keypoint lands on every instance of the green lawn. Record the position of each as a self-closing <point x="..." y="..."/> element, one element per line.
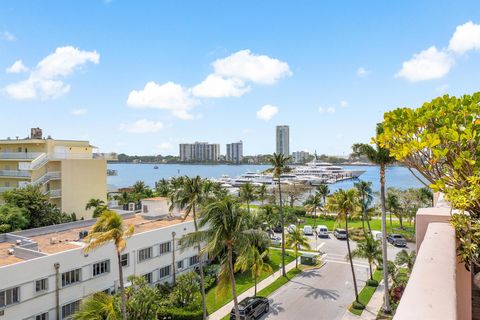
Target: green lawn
<point x="366" y="294"/>
<point x="244" y="281"/>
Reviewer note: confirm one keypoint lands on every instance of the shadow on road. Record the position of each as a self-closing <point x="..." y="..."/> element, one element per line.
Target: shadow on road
<point x="275" y="308"/>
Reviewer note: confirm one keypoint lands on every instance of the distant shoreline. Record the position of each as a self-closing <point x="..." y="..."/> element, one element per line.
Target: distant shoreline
<point x="234" y="164"/>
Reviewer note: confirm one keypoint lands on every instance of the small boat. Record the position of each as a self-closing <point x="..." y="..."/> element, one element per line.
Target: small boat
<point x="156" y="167"/>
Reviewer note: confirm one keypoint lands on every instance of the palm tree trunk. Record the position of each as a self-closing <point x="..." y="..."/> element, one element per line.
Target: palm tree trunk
<point x="400" y="220"/>
<point x="384" y="240"/>
<point x="200" y="264"/>
<point x="122" y="287"/>
<point x="255" y="279"/>
<point x="371" y="271"/>
<point x="282" y="223"/>
<point x="351" y="261"/>
<point x="234" y="285"/>
<point x="367" y="219"/>
<point x="391" y="224"/>
<point x="296" y="257"/>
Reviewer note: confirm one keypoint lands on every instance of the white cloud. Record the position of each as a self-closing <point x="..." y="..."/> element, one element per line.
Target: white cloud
<point x="465" y="38"/>
<point x="326" y="110"/>
<point x="79" y="112"/>
<point x="362" y="72"/>
<point x="8" y="36"/>
<point x="251" y="67"/>
<point x="17" y="67"/>
<point x="267" y="112"/>
<point x="168" y="96"/>
<point x="43" y="80"/>
<point x="215" y="86"/>
<point x="343" y="103"/>
<point x="142" y="126"/>
<point x="426" y="65"/>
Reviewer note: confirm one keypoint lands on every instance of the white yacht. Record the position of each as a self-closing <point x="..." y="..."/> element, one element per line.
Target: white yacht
<point x="327" y="171"/>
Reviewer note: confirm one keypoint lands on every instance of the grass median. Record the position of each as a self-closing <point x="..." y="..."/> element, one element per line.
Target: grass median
<point x="366" y="294"/>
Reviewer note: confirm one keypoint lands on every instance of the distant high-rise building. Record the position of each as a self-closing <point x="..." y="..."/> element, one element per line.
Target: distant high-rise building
<point x="235" y="152"/>
<point x="199" y="151"/>
<point x="283" y="140"/>
<point x="300" y="156"/>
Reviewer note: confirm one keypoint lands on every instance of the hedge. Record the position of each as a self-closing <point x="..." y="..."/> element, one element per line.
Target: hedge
<point x="179" y="314"/>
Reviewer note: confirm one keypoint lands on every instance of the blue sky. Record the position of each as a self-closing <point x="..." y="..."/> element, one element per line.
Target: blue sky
<point x="131" y="76"/>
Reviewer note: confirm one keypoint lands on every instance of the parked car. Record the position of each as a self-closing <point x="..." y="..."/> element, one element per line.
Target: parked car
<point x="278" y="229"/>
<point x="340" y="233"/>
<point x="291" y="228"/>
<point x="275" y="240"/>
<point x="322" y="231"/>
<point x="307" y="230"/>
<point x="397" y="240"/>
<point x="251" y="308"/>
<point x="377" y="235"/>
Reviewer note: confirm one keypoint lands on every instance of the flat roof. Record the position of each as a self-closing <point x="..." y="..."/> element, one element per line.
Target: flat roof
<point x="155" y="199"/>
<point x="55" y="242"/>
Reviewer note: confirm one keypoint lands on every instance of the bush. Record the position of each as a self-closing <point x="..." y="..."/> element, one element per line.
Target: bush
<point x="357" y="305"/>
<point x="179" y="314"/>
<point x="372" y="283"/>
<point x="356" y="234"/>
<point x="298" y="211"/>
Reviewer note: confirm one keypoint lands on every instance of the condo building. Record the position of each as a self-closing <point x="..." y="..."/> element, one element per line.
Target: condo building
<point x="283" y="140"/>
<point x="45" y="273"/>
<point x="235" y="152"/>
<point x="68" y="171"/>
<point x="300" y="156"/>
<point x="199" y="151"/>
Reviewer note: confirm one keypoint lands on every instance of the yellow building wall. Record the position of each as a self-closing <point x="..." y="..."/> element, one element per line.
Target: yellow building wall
<point x="82" y="180"/>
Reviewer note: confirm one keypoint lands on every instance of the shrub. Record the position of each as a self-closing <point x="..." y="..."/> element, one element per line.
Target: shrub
<point x="179" y="314"/>
<point x="372" y="283"/>
<point x="357" y="305"/>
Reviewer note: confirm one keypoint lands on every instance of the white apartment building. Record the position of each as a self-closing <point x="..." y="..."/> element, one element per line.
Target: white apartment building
<point x="300" y="156"/>
<point x="44" y="273"/>
<point x="283" y="140"/>
<point x="199" y="151"/>
<point x="235" y="152"/>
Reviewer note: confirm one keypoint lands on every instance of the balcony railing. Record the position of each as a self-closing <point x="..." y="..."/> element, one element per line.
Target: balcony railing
<point x="19" y="155"/>
<point x="15" y="173"/>
<point x="106" y="156"/>
<point x="55" y="193"/>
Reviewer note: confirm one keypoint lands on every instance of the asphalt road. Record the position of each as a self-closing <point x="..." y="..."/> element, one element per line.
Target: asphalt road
<point x="323" y="293"/>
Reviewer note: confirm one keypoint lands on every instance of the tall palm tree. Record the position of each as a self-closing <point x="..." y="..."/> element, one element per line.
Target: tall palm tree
<point x="345" y="203"/>
<point x="247" y="194"/>
<point x="312" y="203"/>
<point x="381" y="157"/>
<point x="251" y="259"/>
<point x="296" y="240"/>
<point x="262" y="193"/>
<point x="323" y="191"/>
<point x="225" y="230"/>
<point x="365" y="192"/>
<point x="190" y="196"/>
<point x="392" y="204"/>
<point x="98" y="206"/>
<point x="162" y="187"/>
<point x="280" y="164"/>
<point x="109" y="227"/>
<point x="403" y="257"/>
<point x="369" y="249"/>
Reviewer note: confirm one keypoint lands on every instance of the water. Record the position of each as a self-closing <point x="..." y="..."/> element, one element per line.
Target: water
<point x="128" y="174"/>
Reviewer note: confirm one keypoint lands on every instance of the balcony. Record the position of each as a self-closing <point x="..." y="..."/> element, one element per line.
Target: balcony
<point x="20" y="174"/>
<point x="111" y="156"/>
<point x="3" y="189"/>
<point x="19" y="155"/>
<point x="56" y="193"/>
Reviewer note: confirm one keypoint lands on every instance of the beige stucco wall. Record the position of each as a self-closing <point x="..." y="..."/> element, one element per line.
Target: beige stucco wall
<point x="83" y="180"/>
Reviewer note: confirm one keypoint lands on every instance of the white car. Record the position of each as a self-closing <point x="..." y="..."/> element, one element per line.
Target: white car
<point x="307" y="230"/>
<point x="377" y="235"/>
<point x="322" y="231"/>
<point x="291" y="228"/>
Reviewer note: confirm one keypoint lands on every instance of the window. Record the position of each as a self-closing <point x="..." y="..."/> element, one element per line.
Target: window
<point x="164" y="247"/>
<point x="43" y="316"/>
<point x="9" y="296"/>
<point x="124" y="260"/>
<point x="148" y="277"/>
<point x="69" y="309"/>
<point x="164" y="272"/>
<point x="70" y="277"/>
<point x="180" y="264"/>
<point x="41" y="285"/>
<point x="101" y="267"/>
<point x="145" y="254"/>
<point x="193" y="260"/>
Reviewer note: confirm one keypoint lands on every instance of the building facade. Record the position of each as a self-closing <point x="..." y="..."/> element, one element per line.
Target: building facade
<point x="45" y="273"/>
<point x="283" y="140"/>
<point x="234" y="152"/>
<point x="199" y="151"/>
<point x="300" y="156"/>
<point x="68" y="171"/>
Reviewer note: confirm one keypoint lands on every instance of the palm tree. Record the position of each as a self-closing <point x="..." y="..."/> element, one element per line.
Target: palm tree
<point x="323" y="191"/>
<point x="98" y="306"/>
<point x="247" y="194"/>
<point x="403" y="257"/>
<point x="262" y="193"/>
<point x="251" y="259"/>
<point x="279" y="162"/>
<point x="364" y="190"/>
<point x="392" y="204"/>
<point x="163" y="187"/>
<point x="345" y="203"/>
<point x="369" y="249"/>
<point x="296" y="240"/>
<point x="381" y="157"/>
<point x="224" y="229"/>
<point x="109" y="227"/>
<point x="98" y="205"/>
<point x="189" y="196"/>
<point x="312" y="203"/>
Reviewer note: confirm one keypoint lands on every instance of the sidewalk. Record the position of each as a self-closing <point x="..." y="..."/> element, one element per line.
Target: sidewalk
<point x="225" y="310"/>
<point x="372" y="308"/>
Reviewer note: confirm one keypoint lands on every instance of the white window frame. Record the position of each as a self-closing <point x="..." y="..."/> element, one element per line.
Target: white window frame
<point x="107" y="261"/>
<point x="169" y="268"/>
<point x="72" y="283"/>
<point x="4" y="293"/>
<point x="168" y="244"/>
<point x="150" y="249"/>
<point x="42" y="314"/>
<point x="128" y="260"/>
<point x="41" y="290"/>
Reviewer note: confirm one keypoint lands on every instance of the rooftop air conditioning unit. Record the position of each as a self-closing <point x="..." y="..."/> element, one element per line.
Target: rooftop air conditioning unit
<point x="10" y="251"/>
<point x="18" y="242"/>
<point x="53" y="240"/>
